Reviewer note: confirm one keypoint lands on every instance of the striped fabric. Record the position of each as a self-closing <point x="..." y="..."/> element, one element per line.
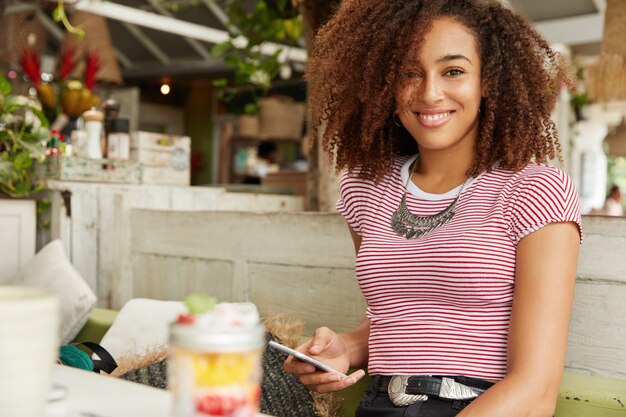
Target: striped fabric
<point x="441" y="304"/>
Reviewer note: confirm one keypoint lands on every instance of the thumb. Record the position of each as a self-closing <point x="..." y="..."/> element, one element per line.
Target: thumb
<point x="320" y="340"/>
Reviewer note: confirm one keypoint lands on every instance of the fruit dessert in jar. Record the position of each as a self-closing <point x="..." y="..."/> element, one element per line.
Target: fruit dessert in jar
<point x="215" y="360"/>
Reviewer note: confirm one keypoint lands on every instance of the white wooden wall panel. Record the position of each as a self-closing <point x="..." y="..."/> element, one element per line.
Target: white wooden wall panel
<point x="597" y="333"/>
<point x="89" y="234"/>
<point x="318" y="296"/>
<point x="18" y="223"/>
<point x="178" y="277"/>
<point x="85" y="243"/>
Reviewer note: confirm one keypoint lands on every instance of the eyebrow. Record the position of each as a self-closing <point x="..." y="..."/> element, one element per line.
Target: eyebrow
<point x="445" y="58"/>
<point x="453" y="58"/>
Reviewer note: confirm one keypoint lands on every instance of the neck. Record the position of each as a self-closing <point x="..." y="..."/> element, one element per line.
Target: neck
<point x="439" y="172"/>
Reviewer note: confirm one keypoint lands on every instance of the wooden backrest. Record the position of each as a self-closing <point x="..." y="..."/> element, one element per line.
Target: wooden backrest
<point x="302" y="264"/>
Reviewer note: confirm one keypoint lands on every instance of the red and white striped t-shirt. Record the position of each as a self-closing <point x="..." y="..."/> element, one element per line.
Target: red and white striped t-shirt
<point x="441" y="304"/>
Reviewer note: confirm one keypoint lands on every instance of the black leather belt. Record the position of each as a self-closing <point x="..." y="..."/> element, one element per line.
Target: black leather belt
<point x="430" y="385"/>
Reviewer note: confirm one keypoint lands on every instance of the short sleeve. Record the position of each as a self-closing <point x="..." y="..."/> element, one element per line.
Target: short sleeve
<point x="547" y="195"/>
<point x="350" y="202"/>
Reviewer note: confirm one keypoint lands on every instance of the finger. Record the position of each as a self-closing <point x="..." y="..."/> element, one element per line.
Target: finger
<point x="320" y="341"/>
<point x="336" y="385"/>
<point x="295" y="366"/>
<point x="328" y="378"/>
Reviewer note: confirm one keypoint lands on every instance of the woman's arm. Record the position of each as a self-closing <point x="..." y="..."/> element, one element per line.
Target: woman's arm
<point x="542" y="302"/>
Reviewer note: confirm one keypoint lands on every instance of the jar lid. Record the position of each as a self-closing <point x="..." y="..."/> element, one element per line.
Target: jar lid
<point x="217" y="340"/>
<point x="118" y="125"/>
<point x="93" y="115"/>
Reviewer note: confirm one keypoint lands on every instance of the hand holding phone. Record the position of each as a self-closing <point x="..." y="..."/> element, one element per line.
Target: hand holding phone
<point x="304" y="358"/>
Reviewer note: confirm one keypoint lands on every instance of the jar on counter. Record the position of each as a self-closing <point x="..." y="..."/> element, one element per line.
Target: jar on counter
<point x="118" y="138"/>
<point x="215" y="363"/>
<point x="94" y="128"/>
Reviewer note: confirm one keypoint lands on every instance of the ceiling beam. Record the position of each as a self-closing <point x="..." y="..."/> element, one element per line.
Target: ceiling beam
<point x="177" y="68"/>
<point x="147" y="43"/>
<point x="194" y="43"/>
<point x="573" y="30"/>
<point x="179" y="27"/>
<point x="218" y="12"/>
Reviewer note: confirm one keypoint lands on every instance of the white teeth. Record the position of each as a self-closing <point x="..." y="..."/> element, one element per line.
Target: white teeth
<point x="433" y="117"/>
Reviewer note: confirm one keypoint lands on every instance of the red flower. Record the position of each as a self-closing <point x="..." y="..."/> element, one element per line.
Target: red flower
<point x="67" y="62"/>
<point x="92" y="67"/>
<point x="30" y="65"/>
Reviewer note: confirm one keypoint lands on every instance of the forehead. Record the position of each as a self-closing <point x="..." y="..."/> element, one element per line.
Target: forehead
<point x="446" y="36"/>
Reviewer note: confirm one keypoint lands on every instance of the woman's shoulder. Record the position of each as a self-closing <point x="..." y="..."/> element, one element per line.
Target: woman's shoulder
<point x="537" y="185"/>
<point x="532" y="175"/>
<point x="353" y="176"/>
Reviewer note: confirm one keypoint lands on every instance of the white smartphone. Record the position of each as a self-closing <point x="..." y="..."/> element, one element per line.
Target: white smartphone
<point x="304" y="358"/>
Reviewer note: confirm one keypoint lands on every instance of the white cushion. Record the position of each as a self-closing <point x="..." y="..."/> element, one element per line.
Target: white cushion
<point x="51" y="269"/>
<point x="142" y="325"/>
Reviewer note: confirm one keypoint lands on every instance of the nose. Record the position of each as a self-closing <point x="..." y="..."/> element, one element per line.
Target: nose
<point x="431" y="91"/>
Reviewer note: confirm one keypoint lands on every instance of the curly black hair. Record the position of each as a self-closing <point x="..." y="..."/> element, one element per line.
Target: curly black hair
<point x="354" y="70"/>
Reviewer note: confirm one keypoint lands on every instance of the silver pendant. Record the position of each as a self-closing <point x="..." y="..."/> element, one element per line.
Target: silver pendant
<point x="407" y="224"/>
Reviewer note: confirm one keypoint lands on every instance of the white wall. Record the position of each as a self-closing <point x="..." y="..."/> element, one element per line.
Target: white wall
<point x="18" y="223"/>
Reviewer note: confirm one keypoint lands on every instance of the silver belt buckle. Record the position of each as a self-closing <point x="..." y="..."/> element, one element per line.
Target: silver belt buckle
<point x="397" y="392"/>
<point x="450" y="389"/>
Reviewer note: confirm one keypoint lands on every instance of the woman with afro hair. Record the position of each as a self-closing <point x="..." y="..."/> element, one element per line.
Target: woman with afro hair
<point x="466" y="242"/>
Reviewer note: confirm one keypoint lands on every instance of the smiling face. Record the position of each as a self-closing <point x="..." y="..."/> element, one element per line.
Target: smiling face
<point x="439" y="92"/>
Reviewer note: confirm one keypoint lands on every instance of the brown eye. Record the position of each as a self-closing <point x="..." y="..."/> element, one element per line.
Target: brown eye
<point x="455" y="72"/>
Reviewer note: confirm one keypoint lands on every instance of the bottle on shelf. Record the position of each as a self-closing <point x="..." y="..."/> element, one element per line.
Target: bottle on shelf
<point x="93" y="127"/>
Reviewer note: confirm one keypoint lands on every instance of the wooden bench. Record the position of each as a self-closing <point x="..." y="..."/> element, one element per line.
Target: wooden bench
<point x="302" y="265"/>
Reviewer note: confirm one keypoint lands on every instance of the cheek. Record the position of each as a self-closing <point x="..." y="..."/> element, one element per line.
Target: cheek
<point x="469" y="94"/>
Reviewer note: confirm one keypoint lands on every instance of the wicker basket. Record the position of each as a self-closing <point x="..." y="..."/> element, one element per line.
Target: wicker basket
<point x="607" y="79"/>
<point x="281" y="118"/>
<point x="97" y="39"/>
<point x="20" y="31"/>
<point x="248" y="125"/>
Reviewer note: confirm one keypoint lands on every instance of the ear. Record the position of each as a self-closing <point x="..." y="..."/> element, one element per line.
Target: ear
<point x="484" y="88"/>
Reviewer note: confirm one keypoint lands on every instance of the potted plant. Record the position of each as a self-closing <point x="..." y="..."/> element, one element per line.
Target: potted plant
<point x="580" y="99"/>
<point x="23" y="136"/>
<point x="275" y="21"/>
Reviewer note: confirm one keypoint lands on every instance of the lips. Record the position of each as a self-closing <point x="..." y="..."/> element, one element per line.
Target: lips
<point x="434" y="118"/>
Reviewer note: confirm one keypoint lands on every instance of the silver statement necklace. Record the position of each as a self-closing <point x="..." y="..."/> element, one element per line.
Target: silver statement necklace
<point x="407" y="224"/>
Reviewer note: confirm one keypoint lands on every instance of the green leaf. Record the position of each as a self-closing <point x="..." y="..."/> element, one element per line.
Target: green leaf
<point x="293" y="28"/>
<point x="34" y="150"/>
<point x="231" y="61"/>
<point x="22" y="189"/>
<point x="57" y="13"/>
<point x="219" y="49"/>
<point x="40" y="115"/>
<point x="251" y="108"/>
<point x="22" y="161"/>
<point x="43" y="205"/>
<point x="198" y="303"/>
<point x="261" y="6"/>
<point x="5" y="86"/>
<point x="222" y="82"/>
<point x="7" y="170"/>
